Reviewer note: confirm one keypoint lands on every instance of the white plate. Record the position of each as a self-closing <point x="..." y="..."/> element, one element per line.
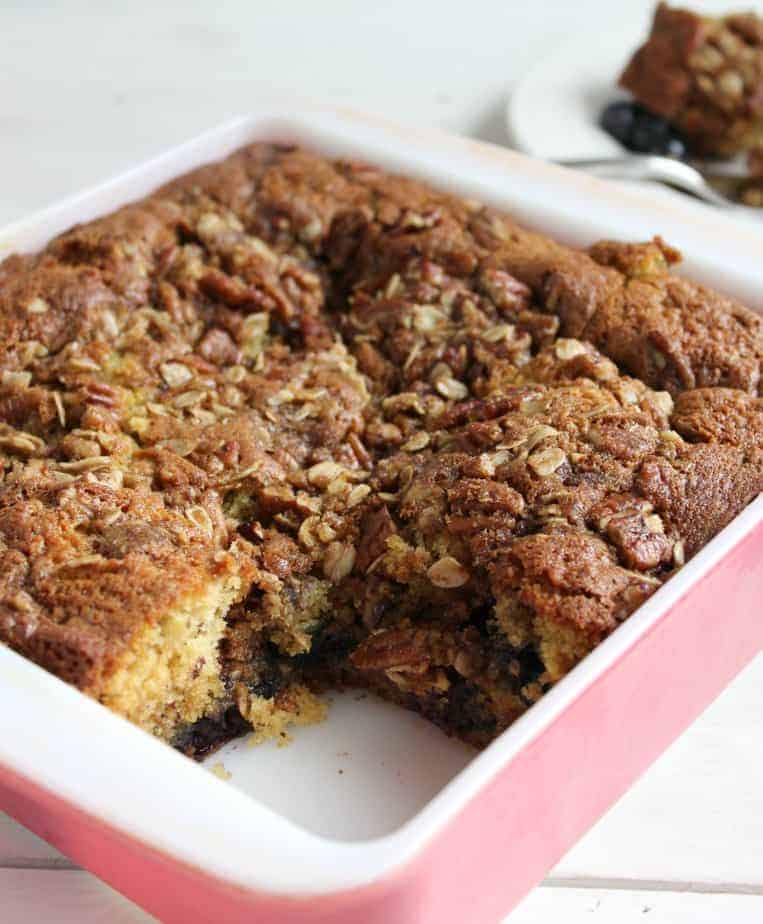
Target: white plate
<point x="553" y="111"/>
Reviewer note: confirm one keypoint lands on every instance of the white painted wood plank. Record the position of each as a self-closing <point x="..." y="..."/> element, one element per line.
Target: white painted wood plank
<point x="63" y="897"/>
<point x="74" y="897"/>
<point x="698" y="812"/>
<point x="65" y="125"/>
<point x="19" y="847"/>
<point x="607" y="906"/>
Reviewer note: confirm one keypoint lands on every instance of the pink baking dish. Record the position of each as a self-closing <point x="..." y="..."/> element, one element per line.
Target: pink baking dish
<point x="190" y="847"/>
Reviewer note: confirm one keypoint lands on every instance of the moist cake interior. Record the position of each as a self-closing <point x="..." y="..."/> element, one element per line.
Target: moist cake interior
<point x="292" y="424"/>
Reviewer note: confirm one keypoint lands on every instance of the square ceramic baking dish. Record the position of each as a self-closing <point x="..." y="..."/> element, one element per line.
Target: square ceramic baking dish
<point x="188" y="846"/>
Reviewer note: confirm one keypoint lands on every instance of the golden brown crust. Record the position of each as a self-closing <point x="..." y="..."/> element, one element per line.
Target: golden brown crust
<point x="702" y="488"/>
<point x="719" y="415"/>
<point x="671" y="333"/>
<point x="289" y="407"/>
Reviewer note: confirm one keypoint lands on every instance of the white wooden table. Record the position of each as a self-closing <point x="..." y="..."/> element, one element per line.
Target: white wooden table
<point x="89" y="89"/>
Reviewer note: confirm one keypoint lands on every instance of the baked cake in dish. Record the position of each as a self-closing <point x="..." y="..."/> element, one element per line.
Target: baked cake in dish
<point x="290" y="424"/>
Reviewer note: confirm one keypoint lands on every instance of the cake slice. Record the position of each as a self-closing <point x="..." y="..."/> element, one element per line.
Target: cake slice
<point x="705" y="74"/>
<point x="114" y="591"/>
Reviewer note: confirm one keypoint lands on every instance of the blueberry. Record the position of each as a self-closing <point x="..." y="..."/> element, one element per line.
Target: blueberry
<point x="640" y="130"/>
<point x="650" y="134"/>
<point x="617" y="120"/>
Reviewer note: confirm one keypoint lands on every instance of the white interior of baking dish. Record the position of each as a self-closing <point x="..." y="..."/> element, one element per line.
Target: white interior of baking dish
<point x="357" y="795"/>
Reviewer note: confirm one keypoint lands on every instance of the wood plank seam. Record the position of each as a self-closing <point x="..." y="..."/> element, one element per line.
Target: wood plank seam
<point x="618" y="884"/>
<point x="50" y="864"/>
<point x="653" y="885"/>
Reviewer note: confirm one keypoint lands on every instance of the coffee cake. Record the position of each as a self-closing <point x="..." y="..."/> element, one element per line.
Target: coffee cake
<point x="705" y="74"/>
<point x="291" y="423"/>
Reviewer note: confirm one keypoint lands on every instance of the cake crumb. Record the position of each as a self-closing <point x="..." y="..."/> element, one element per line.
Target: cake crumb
<point x="219" y="770"/>
<point x="270" y="717"/>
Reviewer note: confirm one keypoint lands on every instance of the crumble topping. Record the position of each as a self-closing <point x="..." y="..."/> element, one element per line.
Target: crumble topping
<point x="290" y="423"/>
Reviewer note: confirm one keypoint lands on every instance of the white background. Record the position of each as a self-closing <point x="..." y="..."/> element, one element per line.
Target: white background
<point x="87" y="89"/>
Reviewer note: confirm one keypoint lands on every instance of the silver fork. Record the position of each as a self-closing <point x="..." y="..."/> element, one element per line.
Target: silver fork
<point x="689" y="178"/>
